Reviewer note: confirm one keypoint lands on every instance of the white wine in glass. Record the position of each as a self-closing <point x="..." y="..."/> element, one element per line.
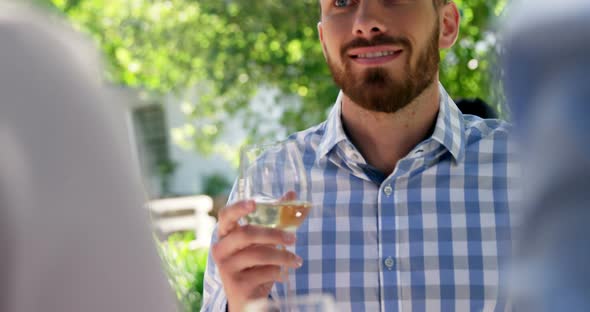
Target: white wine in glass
<point x="284" y="215"/>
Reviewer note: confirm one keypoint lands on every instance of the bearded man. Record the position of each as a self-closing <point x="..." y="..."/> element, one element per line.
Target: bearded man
<point x="412" y="199"/>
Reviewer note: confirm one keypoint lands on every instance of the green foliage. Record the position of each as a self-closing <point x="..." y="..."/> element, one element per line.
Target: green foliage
<point x="470" y="69"/>
<point x="186" y="268"/>
<point x="216" y="184"/>
<point x="227" y="50"/>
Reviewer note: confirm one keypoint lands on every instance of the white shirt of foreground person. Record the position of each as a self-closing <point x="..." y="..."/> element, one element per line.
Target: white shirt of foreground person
<point x="73" y="234"/>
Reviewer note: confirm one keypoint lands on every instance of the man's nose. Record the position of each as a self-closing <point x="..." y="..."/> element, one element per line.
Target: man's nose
<point x="369" y="20"/>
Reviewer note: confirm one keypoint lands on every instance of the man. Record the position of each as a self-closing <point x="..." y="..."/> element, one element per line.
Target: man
<point x="411" y="198"/>
<point x="73" y="234"/>
<point x="547" y="88"/>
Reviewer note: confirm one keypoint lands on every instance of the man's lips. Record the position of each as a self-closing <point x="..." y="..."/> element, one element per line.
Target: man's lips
<point x="375" y="55"/>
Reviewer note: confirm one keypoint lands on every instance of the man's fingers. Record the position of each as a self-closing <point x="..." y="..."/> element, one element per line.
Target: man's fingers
<point x="261" y="256"/>
<point x="229" y="216"/>
<point x="248" y="235"/>
<point x="260" y="275"/>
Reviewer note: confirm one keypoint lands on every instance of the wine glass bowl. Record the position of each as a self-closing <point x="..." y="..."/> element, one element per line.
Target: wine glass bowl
<point x="307" y="303"/>
<point x="273" y="175"/>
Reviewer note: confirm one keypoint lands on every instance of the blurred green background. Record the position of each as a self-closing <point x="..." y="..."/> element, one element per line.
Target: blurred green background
<point x="227" y="51"/>
<point x="185" y="267"/>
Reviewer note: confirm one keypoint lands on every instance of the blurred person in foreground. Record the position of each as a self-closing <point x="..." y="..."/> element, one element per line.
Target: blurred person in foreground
<point x="73" y="234"/>
<point x="548" y="89"/>
<point x="412" y="199"/>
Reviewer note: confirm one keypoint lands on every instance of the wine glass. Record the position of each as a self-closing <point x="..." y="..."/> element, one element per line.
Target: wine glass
<point x="273" y="175"/>
<point x="308" y="303"/>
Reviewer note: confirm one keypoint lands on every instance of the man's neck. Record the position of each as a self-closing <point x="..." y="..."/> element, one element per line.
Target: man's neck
<point x="385" y="138"/>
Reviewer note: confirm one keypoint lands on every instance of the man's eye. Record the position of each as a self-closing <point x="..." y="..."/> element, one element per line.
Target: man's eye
<point x="342" y="3"/>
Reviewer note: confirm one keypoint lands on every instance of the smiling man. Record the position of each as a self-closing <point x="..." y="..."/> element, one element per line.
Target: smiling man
<point x="412" y="199"/>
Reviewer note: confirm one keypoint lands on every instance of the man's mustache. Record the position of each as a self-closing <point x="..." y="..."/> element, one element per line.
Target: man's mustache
<point x="378" y="40"/>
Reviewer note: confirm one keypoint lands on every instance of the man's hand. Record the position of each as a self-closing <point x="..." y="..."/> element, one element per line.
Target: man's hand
<point x="247" y="257"/>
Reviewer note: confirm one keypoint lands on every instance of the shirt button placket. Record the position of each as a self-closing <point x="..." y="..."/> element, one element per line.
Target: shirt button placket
<point x="388" y="251"/>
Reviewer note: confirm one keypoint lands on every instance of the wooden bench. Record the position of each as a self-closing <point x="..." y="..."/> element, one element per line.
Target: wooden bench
<point x="181" y="214"/>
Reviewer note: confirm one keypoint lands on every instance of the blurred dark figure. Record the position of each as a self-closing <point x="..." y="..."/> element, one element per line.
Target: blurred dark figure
<point x="73" y="234"/>
<point x="476" y="107"/>
<point x="548" y="88"/>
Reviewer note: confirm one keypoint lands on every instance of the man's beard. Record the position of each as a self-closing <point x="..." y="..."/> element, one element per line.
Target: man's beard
<point x="375" y="89"/>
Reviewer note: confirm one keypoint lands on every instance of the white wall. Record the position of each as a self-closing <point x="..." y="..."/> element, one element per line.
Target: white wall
<point x="192" y="167"/>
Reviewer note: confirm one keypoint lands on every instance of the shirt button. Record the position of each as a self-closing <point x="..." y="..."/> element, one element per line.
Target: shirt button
<point x="389" y="263"/>
<point x="388" y="190"/>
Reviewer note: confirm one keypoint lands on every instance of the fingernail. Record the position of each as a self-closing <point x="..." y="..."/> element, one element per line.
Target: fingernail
<point x="289" y="238"/>
<point x="298" y="261"/>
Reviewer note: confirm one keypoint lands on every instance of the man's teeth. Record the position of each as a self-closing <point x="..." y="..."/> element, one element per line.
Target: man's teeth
<point x="376" y="54"/>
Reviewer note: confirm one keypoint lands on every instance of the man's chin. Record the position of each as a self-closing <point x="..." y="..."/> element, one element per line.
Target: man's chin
<point x="380" y="97"/>
<point x="378" y="89"/>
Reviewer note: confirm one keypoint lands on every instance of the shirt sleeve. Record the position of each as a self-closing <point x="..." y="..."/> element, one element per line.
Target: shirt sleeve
<point x="214" y="298"/>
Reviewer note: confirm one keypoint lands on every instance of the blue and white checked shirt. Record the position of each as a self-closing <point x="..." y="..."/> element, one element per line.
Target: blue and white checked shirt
<point x="432" y="236"/>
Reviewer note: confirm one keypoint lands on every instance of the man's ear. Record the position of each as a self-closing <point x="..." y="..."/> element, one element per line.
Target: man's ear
<point x="321" y="36"/>
<point x="449" y="25"/>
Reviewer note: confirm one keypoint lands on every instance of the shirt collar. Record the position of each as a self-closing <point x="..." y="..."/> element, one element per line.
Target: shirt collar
<point x="333" y="129"/>
<point x="448" y="131"/>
